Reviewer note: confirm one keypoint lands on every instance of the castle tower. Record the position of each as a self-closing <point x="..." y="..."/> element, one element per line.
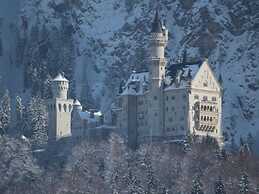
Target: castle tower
<point x="59" y="109"/>
<point x="158" y="42"/>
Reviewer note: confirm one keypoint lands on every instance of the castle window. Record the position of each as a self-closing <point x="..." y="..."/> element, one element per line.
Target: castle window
<point x="167" y="98"/>
<point x="196" y="97"/>
<point x="202" y="107"/>
<point x="59" y="107"/>
<point x="205" y="84"/>
<point x="211" y="109"/>
<point x="70" y="108"/>
<point x="205" y="98"/>
<point x="65" y="107"/>
<point x="214" y="98"/>
<point x="210" y="119"/>
<point x="173" y="97"/>
<point x="202" y="118"/>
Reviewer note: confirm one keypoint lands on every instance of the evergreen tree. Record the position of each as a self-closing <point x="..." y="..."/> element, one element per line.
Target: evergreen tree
<point x="5" y="112"/>
<point x="250" y="142"/>
<point x="19" y="110"/>
<point x="37" y="121"/>
<point x="197" y="186"/>
<point x="219" y="187"/>
<point x="244" y="184"/>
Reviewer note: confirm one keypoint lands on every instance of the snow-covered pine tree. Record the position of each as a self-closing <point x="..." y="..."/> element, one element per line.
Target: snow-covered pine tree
<point x="19" y="110"/>
<point x="219" y="187"/>
<point x="5" y="112"/>
<point x="244" y="184"/>
<point x="37" y="121"/>
<point x="250" y="142"/>
<point x="197" y="186"/>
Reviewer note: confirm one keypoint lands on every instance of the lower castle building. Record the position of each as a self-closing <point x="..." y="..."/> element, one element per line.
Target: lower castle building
<point x="153" y="107"/>
<point x="66" y="117"/>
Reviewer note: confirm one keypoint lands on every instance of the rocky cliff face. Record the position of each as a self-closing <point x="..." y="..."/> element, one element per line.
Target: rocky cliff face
<point x="109" y="39"/>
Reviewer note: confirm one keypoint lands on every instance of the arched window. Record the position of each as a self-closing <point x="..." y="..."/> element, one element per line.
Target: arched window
<point x="70" y="108"/>
<point x="201" y="107"/>
<point x="65" y="107"/>
<point x="59" y="107"/>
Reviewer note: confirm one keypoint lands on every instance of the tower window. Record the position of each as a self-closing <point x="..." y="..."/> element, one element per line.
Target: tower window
<point x="59" y="107"/>
<point x="70" y="108"/>
<point x="65" y="107"/>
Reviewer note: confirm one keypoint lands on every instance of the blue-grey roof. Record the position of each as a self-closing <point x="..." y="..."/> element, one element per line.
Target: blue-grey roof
<point x="157" y="25"/>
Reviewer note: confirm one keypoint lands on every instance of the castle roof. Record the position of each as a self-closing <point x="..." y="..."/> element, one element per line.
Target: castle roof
<point x="182" y="74"/>
<point x="157" y="25"/>
<point x="136" y="84"/>
<point x="60" y="77"/>
<point x="76" y="103"/>
<point x="86" y="115"/>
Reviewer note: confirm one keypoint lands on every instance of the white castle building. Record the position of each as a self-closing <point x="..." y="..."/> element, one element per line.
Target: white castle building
<point x="66" y="117"/>
<point x="150" y="109"/>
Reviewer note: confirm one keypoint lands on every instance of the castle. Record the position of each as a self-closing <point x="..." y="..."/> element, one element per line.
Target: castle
<point x="150" y="108"/>
<point x="66" y="117"/>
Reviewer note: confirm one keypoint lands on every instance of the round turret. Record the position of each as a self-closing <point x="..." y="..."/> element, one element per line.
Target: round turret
<point x="77" y="105"/>
<point x="60" y="87"/>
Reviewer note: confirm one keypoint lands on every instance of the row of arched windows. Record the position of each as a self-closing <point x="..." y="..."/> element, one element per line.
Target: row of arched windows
<point x="207" y="118"/>
<point x="60" y="107"/>
<point x="62" y="88"/>
<point x="208" y="108"/>
<point x="207" y="128"/>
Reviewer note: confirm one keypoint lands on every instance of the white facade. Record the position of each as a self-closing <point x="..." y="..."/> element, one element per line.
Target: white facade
<point x="59" y="109"/>
<point x="66" y="116"/>
<point x="149" y="109"/>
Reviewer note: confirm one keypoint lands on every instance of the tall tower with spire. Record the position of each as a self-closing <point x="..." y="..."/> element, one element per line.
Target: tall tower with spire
<point x="157" y="60"/>
<point x="59" y="109"/>
<point x="158" y="42"/>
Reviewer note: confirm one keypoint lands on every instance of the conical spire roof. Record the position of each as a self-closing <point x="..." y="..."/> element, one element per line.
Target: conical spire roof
<point x="157" y="25"/>
<point x="60" y="77"/>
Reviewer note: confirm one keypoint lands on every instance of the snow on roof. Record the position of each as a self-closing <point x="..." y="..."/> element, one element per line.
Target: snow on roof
<point x="136" y="84"/>
<point x="60" y="77"/>
<point x="86" y="115"/>
<point x="184" y="75"/>
<point x="76" y="103"/>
